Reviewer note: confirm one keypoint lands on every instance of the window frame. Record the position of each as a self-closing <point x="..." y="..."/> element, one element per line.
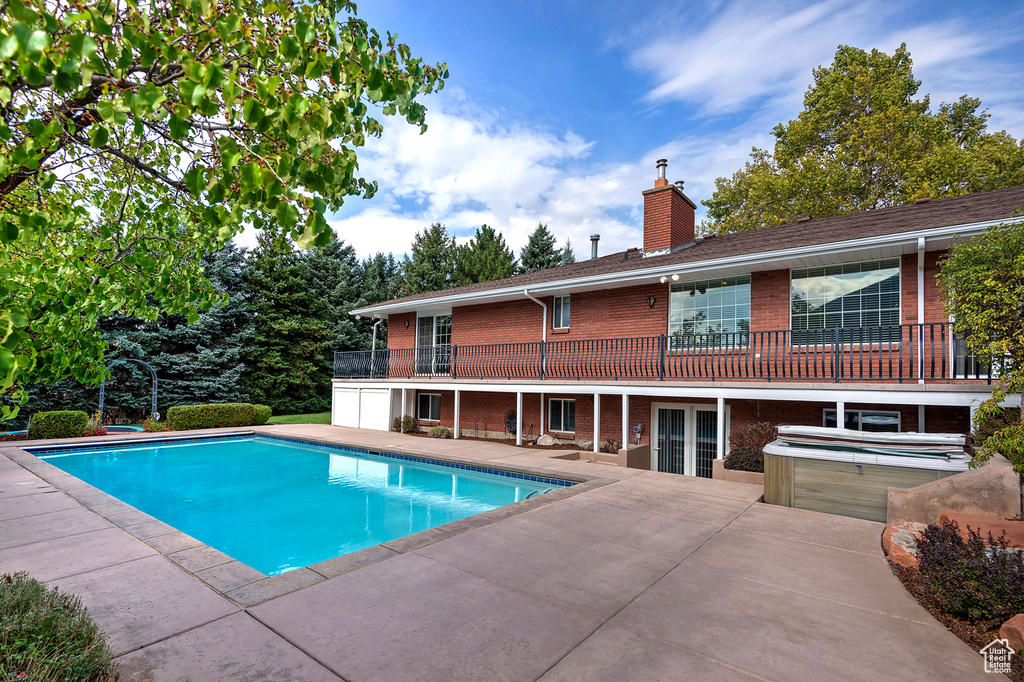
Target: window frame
<point x="562" y="413"/>
<point x="561" y="306"/>
<point x="743" y="337"/>
<point x="430" y="404"/>
<point x="825" y="329"/>
<point x="860" y="418"/>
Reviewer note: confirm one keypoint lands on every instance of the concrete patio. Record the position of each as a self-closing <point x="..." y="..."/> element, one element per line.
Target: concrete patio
<point x="640" y="576"/>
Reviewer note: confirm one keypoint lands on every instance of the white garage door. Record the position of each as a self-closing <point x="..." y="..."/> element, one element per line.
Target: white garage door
<point x="374" y="409"/>
<point x="345" y="408"/>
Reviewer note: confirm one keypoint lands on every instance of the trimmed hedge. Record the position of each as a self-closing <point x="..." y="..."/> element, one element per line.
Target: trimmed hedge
<point x="59" y="424"/>
<point x="187" y="417"/>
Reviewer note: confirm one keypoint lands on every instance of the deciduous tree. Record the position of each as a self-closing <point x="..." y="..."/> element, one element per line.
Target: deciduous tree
<point x="983" y="282"/>
<point x="137" y="137"/>
<point x="864" y="141"/>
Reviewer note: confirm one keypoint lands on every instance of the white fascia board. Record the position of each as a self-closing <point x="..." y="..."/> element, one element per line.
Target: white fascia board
<point x="750" y="260"/>
<point x="770" y="392"/>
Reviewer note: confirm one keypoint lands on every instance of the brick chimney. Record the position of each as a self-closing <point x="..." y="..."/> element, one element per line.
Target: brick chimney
<point x="668" y="215"/>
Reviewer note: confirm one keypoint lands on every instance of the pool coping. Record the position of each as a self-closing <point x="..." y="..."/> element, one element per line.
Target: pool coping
<point x="240" y="583"/>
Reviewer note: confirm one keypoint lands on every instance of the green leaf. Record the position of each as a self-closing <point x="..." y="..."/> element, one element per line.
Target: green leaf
<point x="98" y="136"/>
<point x="287" y="215"/>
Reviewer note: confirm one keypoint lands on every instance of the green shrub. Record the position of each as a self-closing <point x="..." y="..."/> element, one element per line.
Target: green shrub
<point x="187" y="417"/>
<point x="440" y="432"/>
<point x="746" y="447"/>
<point x="406" y="424"/>
<point x="151" y="426"/>
<point x="60" y="424"/>
<point x="969" y="580"/>
<point x="988" y="423"/>
<point x="46" y="634"/>
<point x="261" y="414"/>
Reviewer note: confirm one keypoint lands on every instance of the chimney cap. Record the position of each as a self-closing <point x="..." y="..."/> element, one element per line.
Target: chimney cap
<point x="594" y="237"/>
<point x="662" y="165"/>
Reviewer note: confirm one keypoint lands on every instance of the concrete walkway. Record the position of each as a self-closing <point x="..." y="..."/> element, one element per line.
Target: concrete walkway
<point x="640" y="576"/>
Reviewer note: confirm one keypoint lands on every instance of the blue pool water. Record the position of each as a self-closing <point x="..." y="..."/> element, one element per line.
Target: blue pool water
<point x="280" y="505"/>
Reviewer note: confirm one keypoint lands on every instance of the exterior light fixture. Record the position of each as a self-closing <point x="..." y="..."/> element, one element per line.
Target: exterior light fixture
<point x="407" y="323"/>
<point x="664" y="279"/>
<point x="675" y="278"/>
<point x="651" y="300"/>
<point x="359" y="317"/>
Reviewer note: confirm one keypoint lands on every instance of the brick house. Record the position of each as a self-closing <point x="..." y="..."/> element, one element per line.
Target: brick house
<point x="819" y="322"/>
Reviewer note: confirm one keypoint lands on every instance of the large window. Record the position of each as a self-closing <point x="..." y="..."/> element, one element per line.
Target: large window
<point x="429" y="407"/>
<point x="562" y="415"/>
<point x="710" y="307"/>
<point x="433" y="344"/>
<point x="560" y="318"/>
<point x="862" y="298"/>
<point x="865" y="420"/>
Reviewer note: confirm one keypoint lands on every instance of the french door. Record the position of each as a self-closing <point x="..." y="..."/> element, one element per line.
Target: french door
<point x="686" y="438"/>
<point x="433" y="345"/>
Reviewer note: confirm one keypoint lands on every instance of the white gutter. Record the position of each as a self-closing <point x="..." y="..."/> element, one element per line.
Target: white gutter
<point x="544" y="330"/>
<point x="745" y="260"/>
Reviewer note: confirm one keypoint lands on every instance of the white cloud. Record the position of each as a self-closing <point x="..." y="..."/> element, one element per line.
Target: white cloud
<point x="737" y="72"/>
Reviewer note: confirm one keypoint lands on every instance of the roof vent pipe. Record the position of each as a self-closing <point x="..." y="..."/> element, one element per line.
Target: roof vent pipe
<point x="594" y="239"/>
<point x="662" y="165"/>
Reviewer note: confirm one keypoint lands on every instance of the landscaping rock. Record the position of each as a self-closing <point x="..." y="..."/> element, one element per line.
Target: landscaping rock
<point x="545" y="439"/>
<point x="985" y="524"/>
<point x="1013" y="632"/>
<point x="587" y="445"/>
<point x="899" y="542"/>
<point x="992" y="490"/>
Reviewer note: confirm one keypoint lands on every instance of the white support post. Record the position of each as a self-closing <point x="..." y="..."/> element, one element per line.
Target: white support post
<point x="840" y="414"/>
<point x="359" y="408"/>
<point x="720" y="424"/>
<point x="541" y="415"/>
<point x="458" y="404"/>
<point x="921" y="428"/>
<point x="973" y="410"/>
<point x="597" y="422"/>
<point x="519" y="418"/>
<point x="625" y="421"/>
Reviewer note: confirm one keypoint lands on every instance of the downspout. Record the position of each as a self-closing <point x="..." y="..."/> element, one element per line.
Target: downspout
<point x="544" y="330"/>
<point x="543" y="336"/>
<point x="920" y="309"/>
<point x="373" y="347"/>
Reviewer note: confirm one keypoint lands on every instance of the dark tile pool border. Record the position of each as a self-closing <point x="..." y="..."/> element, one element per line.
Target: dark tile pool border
<point x="243" y="584"/>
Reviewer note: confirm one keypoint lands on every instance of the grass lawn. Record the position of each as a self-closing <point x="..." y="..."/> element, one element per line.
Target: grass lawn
<point x="315" y="418"/>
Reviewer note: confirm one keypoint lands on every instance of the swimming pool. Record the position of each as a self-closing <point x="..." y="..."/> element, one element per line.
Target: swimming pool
<point x="278" y="504"/>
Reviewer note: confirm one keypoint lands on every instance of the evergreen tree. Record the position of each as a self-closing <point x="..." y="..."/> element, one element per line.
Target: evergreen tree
<point x="540" y="252"/>
<point x="202" y="362"/>
<point x="292" y="332"/>
<point x="380" y="278"/>
<point x="486" y="258"/>
<point x="432" y="266"/>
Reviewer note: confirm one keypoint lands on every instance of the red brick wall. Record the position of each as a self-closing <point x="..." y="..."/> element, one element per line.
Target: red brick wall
<point x="624" y="312"/>
<point x="486" y="412"/>
<point x="613" y="313"/>
<point x="668" y="219"/>
<point x="934" y="302"/>
<point x="769" y="300"/>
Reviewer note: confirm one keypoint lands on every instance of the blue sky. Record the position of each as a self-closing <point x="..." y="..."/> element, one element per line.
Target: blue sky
<point x="556" y="112"/>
